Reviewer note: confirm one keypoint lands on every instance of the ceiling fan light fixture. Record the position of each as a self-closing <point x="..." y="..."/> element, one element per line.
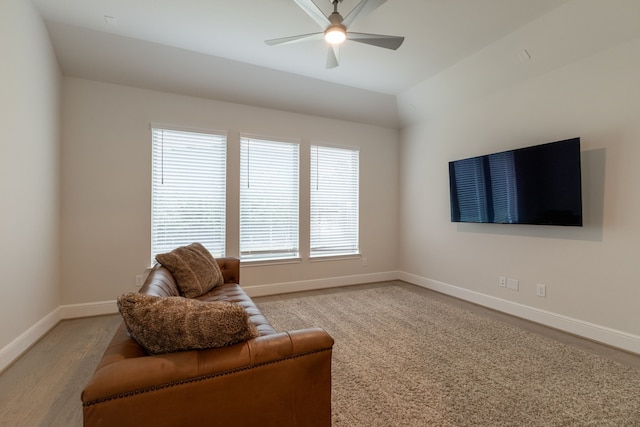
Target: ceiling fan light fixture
<point x="335" y="34"/>
<point x="335" y="28"/>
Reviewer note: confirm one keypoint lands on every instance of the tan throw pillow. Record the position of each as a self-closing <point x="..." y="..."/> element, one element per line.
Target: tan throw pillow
<point x="168" y="324"/>
<point x="194" y="268"/>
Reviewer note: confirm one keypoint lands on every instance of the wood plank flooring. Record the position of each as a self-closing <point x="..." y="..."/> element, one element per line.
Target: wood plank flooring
<point x="43" y="387"/>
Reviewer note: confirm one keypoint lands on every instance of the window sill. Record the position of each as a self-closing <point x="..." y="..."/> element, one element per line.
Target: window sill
<point x="264" y="262"/>
<point x="338" y="257"/>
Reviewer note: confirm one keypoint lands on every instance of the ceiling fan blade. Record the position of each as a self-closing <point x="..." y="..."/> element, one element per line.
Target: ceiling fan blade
<point x="332" y="56"/>
<point x="314" y="12"/>
<point x="295" y="39"/>
<point x="387" y="42"/>
<point x="361" y="10"/>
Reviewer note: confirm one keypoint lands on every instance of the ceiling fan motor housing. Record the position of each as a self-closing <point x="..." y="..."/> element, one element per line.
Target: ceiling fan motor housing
<point x="336" y="19"/>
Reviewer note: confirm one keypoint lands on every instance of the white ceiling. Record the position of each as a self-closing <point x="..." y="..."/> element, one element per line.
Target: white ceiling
<point x="216" y="49"/>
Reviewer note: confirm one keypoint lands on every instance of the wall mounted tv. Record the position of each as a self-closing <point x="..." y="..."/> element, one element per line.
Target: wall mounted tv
<point x="533" y="185"/>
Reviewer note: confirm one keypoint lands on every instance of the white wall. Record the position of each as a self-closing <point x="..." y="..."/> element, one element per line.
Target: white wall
<point x="492" y="102"/>
<point x="106" y="187"/>
<point x="29" y="177"/>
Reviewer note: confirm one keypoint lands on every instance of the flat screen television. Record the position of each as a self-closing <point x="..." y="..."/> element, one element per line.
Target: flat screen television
<point x="533" y="185"/>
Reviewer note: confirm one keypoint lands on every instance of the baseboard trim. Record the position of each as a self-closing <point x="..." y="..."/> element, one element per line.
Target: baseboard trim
<point x="74" y="311"/>
<point x="608" y="336"/>
<point x="622" y="340"/>
<point x="12" y="351"/>
<point x="310" y="285"/>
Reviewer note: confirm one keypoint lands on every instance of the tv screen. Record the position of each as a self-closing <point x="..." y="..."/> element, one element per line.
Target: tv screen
<point x="533" y="185"/>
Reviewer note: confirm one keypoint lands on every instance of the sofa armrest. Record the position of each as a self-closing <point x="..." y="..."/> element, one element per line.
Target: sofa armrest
<point x="230" y="268"/>
<point x="280" y="379"/>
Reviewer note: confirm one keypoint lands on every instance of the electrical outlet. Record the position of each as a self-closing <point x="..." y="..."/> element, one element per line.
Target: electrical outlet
<point x="139" y="280"/>
<point x="502" y="281"/>
<point x="364" y="261"/>
<point x="512" y="284"/>
<point x="541" y="290"/>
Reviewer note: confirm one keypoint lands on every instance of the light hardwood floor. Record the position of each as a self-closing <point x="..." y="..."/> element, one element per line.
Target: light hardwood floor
<point x="43" y="387"/>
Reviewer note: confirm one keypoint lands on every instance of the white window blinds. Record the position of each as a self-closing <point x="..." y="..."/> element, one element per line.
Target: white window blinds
<point x="334" y="201"/>
<point x="269" y="192"/>
<point x="188" y="190"/>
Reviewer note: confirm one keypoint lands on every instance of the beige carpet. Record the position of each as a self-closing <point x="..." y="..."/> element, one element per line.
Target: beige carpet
<point x="402" y="358"/>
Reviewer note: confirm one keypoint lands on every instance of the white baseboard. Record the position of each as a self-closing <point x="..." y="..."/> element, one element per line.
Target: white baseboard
<point x="611" y="337"/>
<point x="22" y="343"/>
<point x="309" y="285"/>
<point x="74" y="311"/>
<point x="13" y="350"/>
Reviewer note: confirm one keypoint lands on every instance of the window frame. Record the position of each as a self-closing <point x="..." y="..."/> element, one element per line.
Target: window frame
<point x="353" y="215"/>
<point x="255" y="256"/>
<point x="218" y="200"/>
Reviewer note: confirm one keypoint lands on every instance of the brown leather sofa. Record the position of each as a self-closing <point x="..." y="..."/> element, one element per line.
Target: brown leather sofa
<point x="276" y="379"/>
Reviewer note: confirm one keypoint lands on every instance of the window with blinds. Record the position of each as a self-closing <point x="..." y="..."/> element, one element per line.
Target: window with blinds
<point x="269" y="192"/>
<point x="334" y="201"/>
<point x="188" y="190"/>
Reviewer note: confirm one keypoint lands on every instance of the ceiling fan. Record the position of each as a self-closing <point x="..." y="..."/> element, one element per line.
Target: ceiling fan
<point x="336" y="28"/>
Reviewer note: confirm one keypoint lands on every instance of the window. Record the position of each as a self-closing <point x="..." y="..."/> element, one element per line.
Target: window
<point x="334" y="201"/>
<point x="188" y="190"/>
<point x="269" y="192"/>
